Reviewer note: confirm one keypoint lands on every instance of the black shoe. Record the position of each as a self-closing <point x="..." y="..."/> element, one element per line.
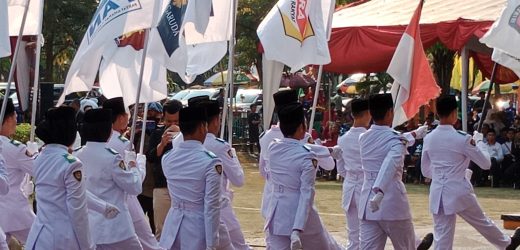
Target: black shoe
<point x="515" y="240"/>
<point x="426" y="242"/>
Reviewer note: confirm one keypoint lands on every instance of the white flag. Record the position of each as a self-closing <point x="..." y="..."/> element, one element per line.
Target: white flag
<point x="295" y="32"/>
<point x="112" y="19"/>
<point x="120" y="68"/>
<point x="507" y="60"/>
<point x="5" y="44"/>
<point x="32" y="22"/>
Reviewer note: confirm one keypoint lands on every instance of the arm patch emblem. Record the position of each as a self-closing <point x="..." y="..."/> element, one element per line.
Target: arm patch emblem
<point x="77" y="175"/>
<point x="219" y="169"/>
<point x="314" y="163"/>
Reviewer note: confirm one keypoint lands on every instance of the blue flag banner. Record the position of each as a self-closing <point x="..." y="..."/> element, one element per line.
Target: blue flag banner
<point x="170" y="24"/>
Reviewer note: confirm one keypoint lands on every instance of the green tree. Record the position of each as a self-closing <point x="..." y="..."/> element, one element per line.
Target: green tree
<point x="442" y="61"/>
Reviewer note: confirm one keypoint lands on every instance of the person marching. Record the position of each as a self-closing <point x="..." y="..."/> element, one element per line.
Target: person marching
<point x="62" y="220"/>
<point x="109" y="178"/>
<point x="382" y="154"/>
<point x="17" y="215"/>
<point x="232" y="172"/>
<point x="4" y="189"/>
<point x="292" y="222"/>
<point x="123" y="146"/>
<point x="451" y="192"/>
<point x="352" y="170"/>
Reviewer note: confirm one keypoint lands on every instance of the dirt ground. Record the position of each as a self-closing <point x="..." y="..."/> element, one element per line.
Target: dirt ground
<point x="247" y="199"/>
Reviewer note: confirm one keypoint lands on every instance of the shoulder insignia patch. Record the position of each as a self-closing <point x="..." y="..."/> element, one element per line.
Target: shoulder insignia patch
<point x="70" y="158"/>
<point x="211" y="154"/>
<point x="77" y="149"/>
<point x="462" y="132"/>
<point x="77" y="175"/>
<point x="16" y="143"/>
<point x="314" y="163"/>
<point x="112" y="151"/>
<point x="261" y="135"/>
<point x="122" y="165"/>
<point x="230" y="153"/>
<point x="220" y="140"/>
<point x="122" y="138"/>
<point x="219" y="169"/>
<point x="307" y="148"/>
<point x="396" y="132"/>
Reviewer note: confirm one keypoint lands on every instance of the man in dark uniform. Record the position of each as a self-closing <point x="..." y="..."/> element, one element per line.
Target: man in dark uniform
<point x="253" y="120"/>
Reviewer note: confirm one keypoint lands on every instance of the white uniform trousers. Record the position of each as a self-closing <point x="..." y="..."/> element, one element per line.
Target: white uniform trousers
<point x="321" y="241"/>
<point x="131" y="243"/>
<point x="444" y="228"/>
<point x="235" y="233"/>
<point x="374" y="233"/>
<point x="352" y="226"/>
<point x="20" y="235"/>
<point x="161" y="205"/>
<point x="141" y="225"/>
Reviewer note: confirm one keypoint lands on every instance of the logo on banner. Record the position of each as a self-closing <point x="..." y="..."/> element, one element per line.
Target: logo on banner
<point x="169" y="27"/>
<point x="514" y="21"/>
<point x="296" y="23"/>
<point x="107" y="11"/>
<point x="134" y="39"/>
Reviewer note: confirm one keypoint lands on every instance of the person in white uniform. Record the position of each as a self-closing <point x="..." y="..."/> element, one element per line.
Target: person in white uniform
<point x="351" y="169"/>
<point x="382" y="148"/>
<point x="108" y="177"/>
<point x="292" y="220"/>
<point x="62" y="219"/>
<point x="451" y="192"/>
<point x="17" y="215"/>
<point x="193" y="175"/>
<point x="122" y="145"/>
<point x="4" y="189"/>
<point x="232" y="173"/>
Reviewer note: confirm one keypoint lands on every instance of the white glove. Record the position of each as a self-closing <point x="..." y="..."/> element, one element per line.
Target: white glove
<point x="130" y="158"/>
<point x="141" y="159"/>
<point x="477" y="137"/>
<point x="32" y="148"/>
<point x="336" y="152"/>
<point x="111" y="211"/>
<point x="27" y="186"/>
<point x="296" y="242"/>
<point x="421" y="132"/>
<point x="375" y="202"/>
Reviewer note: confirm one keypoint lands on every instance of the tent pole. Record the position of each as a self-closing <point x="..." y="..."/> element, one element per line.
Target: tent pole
<point x="464" y="87"/>
<point x="139" y="86"/>
<point x="488" y="95"/>
<point x="13" y="63"/>
<point x="315" y="101"/>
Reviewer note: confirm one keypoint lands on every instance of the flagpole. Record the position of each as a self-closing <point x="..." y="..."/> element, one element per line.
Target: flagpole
<point x="231" y="65"/>
<point x="316" y="96"/>
<point x="143" y="128"/>
<point x="140" y="84"/>
<point x="225" y="107"/>
<point x="13" y="64"/>
<point x="488" y="95"/>
<point x="36" y="81"/>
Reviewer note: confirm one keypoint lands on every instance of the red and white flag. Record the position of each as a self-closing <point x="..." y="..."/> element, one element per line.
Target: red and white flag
<point x="414" y="84"/>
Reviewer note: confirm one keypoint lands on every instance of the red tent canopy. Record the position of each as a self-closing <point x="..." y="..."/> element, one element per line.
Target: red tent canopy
<point x="364" y="37"/>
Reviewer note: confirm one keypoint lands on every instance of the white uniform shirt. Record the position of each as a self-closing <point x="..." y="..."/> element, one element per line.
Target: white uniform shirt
<point x="495" y="151"/>
<point x="193" y="175"/>
<point x="4" y="184"/>
<point x="446" y="163"/>
<point x="351" y="167"/>
<point x="62" y="221"/>
<point x="507" y="148"/>
<point x="107" y="177"/>
<point x="382" y="156"/>
<point x="293" y="173"/>
<point x="16" y="212"/>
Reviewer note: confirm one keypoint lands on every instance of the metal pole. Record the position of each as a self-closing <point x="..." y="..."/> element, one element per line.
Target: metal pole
<point x="36" y="84"/>
<point x="315" y="101"/>
<point x="140" y="84"/>
<point x="143" y="129"/>
<point x="225" y="106"/>
<point x="488" y="95"/>
<point x="13" y="64"/>
<point x="230" y="70"/>
<point x="464" y="57"/>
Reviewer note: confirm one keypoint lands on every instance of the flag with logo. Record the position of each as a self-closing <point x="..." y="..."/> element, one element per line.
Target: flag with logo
<point x="504" y="37"/>
<point x="112" y="19"/>
<point x="120" y="69"/>
<point x="295" y="32"/>
<point x="5" y="46"/>
<point x="414" y="84"/>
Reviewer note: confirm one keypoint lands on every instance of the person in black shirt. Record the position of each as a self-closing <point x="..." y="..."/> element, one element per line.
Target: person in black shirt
<point x="253" y="120"/>
<point x="161" y="142"/>
<point x="479" y="104"/>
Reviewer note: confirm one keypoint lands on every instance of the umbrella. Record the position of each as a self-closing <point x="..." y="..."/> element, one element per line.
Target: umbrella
<point x="297" y="80"/>
<point x="216" y="79"/>
<point x="504" y="88"/>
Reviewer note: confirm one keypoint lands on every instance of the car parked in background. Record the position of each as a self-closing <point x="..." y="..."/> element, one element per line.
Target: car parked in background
<point x="184" y="95"/>
<point x="245" y="97"/>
